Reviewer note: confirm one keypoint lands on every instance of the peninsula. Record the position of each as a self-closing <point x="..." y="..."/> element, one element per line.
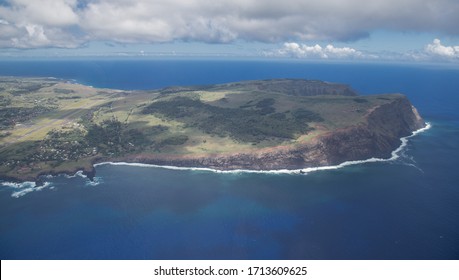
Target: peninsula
<point x="50" y="126"/>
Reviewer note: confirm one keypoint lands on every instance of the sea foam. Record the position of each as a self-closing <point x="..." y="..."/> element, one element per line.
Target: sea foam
<point x="94" y="182"/>
<point x="21" y="189"/>
<point x="77" y="174"/>
<point x="394" y="156"/>
<point x="89" y="182"/>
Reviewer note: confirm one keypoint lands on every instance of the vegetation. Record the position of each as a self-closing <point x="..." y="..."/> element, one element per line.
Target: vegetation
<point x="63" y="90"/>
<point x="28" y="87"/>
<point x="4" y="101"/>
<point x="360" y="100"/>
<point x="62" y="146"/>
<point x="111" y="137"/>
<point x="248" y="124"/>
<point x="65" y="125"/>
<point x="10" y="116"/>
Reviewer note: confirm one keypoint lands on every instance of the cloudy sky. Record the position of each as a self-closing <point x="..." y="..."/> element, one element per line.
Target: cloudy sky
<point x="382" y="30"/>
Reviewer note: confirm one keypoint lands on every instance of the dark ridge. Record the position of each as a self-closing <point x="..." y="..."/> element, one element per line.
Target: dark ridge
<point x="295" y="87"/>
<point x="300" y="87"/>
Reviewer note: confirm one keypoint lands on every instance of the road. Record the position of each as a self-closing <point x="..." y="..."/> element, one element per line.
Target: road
<point x="58" y="121"/>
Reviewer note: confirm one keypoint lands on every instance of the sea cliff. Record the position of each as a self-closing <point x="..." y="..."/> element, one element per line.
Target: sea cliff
<point x="56" y="127"/>
<point x="375" y="138"/>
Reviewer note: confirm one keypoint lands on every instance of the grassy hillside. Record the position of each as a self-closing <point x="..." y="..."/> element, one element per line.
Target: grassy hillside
<point x="48" y="124"/>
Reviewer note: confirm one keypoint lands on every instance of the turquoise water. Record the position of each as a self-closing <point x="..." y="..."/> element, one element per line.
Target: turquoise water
<point x="403" y="209"/>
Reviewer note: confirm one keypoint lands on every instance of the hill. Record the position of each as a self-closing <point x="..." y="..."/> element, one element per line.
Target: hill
<point x="51" y="126"/>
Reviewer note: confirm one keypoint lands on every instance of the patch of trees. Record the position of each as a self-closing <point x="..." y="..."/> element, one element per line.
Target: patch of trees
<point x="69" y="97"/>
<point x="4" y="100"/>
<point x="4" y="134"/>
<point x="60" y="146"/>
<point x="112" y="137"/>
<point x="266" y="106"/>
<point x="304" y="115"/>
<point x="109" y="138"/>
<point x="63" y="90"/>
<point x="13" y="115"/>
<point x="242" y="124"/>
<point x="173" y="140"/>
<point x="24" y="88"/>
<point x="360" y="100"/>
<point x="157" y="129"/>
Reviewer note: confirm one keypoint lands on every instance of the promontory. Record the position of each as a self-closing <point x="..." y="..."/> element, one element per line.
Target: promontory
<point x="51" y="126"/>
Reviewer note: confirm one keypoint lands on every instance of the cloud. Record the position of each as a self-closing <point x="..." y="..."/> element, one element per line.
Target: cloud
<point x="44" y="12"/>
<point x="69" y="23"/>
<point x="431" y="53"/>
<point x="439" y="50"/>
<point x="293" y="49"/>
<point x="39" y="23"/>
<point x="268" y="21"/>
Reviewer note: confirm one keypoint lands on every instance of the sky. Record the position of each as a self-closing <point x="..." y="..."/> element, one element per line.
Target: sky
<point x="329" y="30"/>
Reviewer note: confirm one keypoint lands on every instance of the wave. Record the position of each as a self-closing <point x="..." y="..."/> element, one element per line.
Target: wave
<point x="77" y="174"/>
<point x="394" y="156"/>
<point x="89" y="182"/>
<point x="94" y="182"/>
<point x="21" y="189"/>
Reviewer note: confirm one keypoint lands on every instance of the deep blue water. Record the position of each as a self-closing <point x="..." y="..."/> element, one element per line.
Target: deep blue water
<point x="404" y="209"/>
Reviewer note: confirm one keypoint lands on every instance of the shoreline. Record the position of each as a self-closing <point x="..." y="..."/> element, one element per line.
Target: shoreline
<point x="375" y="138"/>
<point x="90" y="174"/>
<point x="303" y="171"/>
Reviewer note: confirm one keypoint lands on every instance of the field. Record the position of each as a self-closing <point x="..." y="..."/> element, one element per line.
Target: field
<point x="49" y="125"/>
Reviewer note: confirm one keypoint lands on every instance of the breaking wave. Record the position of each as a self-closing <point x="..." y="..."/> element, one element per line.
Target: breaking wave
<point x="21" y="189"/>
<point x="77" y="174"/>
<point x="94" y="182"/>
<point x="394" y="156"/>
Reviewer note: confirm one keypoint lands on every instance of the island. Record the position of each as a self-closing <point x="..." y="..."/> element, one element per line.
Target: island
<point x="53" y="126"/>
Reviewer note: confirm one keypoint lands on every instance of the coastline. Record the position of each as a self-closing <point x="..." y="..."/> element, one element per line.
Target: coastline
<point x="26" y="186"/>
<point x="376" y="135"/>
<point x="394" y="155"/>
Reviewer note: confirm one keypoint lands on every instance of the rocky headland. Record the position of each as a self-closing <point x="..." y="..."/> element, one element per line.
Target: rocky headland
<point x="54" y="127"/>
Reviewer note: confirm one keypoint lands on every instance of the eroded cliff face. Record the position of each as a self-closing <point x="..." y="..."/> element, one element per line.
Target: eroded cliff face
<point x="377" y="137"/>
<point x="257" y="125"/>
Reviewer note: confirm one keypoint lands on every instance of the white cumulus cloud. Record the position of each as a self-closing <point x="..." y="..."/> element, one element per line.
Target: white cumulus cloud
<point x="293" y="49"/>
<point x="39" y="23"/>
<point x="44" y="12"/>
<point x="67" y="23"/>
<point x="437" y="49"/>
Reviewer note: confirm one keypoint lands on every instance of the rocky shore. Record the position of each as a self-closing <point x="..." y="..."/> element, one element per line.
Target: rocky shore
<point x="279" y="124"/>
<point x="378" y="137"/>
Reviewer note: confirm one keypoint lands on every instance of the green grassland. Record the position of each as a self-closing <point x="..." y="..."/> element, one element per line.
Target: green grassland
<point x="48" y="125"/>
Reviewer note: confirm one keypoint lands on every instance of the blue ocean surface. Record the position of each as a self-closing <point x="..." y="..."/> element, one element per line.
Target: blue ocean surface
<point x="407" y="208"/>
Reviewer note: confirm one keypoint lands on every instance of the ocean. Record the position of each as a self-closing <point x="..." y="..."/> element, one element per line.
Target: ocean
<point x="405" y="208"/>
